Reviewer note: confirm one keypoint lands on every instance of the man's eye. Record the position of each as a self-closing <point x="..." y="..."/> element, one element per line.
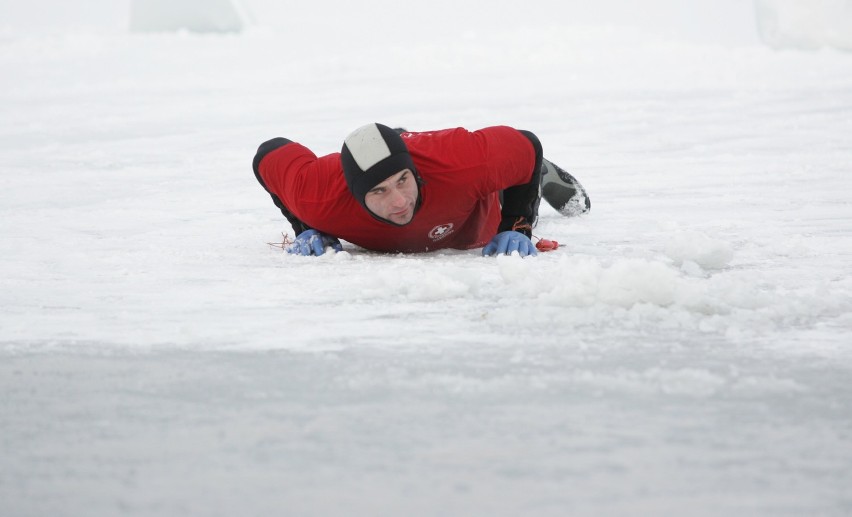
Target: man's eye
<point x="403" y="179"/>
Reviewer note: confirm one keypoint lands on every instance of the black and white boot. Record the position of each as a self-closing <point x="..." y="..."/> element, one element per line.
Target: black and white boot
<point x="562" y="191"/>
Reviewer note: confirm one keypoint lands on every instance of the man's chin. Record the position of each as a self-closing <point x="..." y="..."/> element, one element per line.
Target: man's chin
<point x="403" y="218"/>
<point x="396" y="220"/>
<point x="402" y="221"/>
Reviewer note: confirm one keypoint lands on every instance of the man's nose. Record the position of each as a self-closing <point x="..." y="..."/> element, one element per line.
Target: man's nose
<point x="397" y="199"/>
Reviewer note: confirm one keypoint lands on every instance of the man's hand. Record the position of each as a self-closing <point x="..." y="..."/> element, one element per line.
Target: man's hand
<point x="312" y="242"/>
<point x="508" y="242"/>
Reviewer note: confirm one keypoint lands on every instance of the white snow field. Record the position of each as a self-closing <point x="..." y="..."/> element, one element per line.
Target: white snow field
<point x="686" y="351"/>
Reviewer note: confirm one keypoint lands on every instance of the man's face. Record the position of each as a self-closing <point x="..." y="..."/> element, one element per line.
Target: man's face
<point x="395" y="198"/>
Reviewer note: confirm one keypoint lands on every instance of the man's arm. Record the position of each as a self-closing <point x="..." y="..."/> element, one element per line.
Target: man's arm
<point x="264" y="149"/>
<point x="308" y="241"/>
<point x="520" y="202"/>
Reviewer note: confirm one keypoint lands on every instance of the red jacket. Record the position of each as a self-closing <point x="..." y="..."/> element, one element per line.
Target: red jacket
<point x="462" y="171"/>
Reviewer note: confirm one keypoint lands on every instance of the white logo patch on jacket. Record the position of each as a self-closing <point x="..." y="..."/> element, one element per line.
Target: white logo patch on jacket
<point x="439" y="232"/>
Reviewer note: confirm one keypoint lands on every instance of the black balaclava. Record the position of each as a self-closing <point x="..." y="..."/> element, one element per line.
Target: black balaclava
<point x="370" y="155"/>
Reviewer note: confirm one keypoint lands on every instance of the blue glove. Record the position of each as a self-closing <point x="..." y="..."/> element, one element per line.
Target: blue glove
<point x="312" y="242"/>
<point x="508" y="242"/>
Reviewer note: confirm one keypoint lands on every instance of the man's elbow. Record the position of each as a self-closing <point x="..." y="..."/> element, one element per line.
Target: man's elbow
<point x="537" y="147"/>
<point x="266" y="148"/>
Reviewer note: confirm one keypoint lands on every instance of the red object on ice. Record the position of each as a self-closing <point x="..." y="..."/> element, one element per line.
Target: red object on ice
<point x="546" y="245"/>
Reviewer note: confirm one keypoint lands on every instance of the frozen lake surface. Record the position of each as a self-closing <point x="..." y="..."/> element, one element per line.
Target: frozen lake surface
<point x="686" y="351"/>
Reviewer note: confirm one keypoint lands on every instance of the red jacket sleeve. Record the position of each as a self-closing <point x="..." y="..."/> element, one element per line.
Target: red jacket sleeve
<point x="309" y="186"/>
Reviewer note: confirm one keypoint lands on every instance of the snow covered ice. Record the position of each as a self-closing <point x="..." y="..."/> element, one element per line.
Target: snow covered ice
<point x="685" y="351"/>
